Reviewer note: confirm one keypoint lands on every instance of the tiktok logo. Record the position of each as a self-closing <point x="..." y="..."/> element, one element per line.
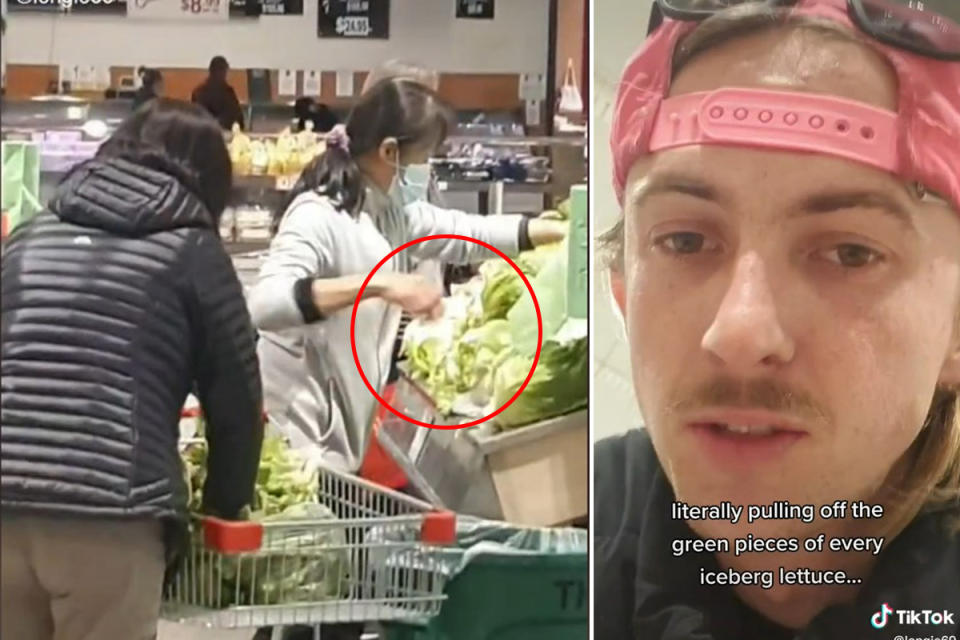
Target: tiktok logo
<point x="911" y="617"/>
<point x="879" y="619"/>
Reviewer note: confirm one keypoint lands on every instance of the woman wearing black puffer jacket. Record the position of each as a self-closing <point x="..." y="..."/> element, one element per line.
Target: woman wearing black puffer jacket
<point x="116" y="302"/>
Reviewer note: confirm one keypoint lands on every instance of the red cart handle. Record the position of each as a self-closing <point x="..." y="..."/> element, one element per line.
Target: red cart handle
<point x="228" y="536"/>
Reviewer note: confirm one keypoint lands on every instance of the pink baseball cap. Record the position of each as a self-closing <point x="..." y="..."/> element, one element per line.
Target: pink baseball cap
<point x="920" y="142"/>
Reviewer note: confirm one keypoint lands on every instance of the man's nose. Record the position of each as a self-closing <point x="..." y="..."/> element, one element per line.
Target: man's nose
<point x="746" y="332"/>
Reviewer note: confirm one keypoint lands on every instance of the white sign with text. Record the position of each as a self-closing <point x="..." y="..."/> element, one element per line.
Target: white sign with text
<point x="179" y="9"/>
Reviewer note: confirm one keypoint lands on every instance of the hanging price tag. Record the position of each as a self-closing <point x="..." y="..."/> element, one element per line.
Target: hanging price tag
<point x="354" y="19"/>
<point x="286" y="183"/>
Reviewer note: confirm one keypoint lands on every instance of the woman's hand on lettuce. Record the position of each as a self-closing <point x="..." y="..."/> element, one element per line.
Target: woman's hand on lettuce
<point x="544" y="232"/>
<point x="415" y="294"/>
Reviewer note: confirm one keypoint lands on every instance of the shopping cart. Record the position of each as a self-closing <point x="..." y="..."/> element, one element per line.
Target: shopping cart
<point x="318" y="570"/>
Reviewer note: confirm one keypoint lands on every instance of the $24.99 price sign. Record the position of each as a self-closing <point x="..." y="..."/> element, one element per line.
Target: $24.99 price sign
<point x="354" y="19"/>
<point x="354" y="26"/>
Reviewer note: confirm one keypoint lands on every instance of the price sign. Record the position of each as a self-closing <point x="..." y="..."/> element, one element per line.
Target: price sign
<point x="179" y="9"/>
<point x="286" y="183"/>
<point x="256" y="8"/>
<point x="354" y="26"/>
<point x="282" y="7"/>
<point x="200" y="6"/>
<point x="480" y="9"/>
<point x="354" y="19"/>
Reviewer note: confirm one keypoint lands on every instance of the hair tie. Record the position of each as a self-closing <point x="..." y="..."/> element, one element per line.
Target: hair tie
<point x="338" y="138"/>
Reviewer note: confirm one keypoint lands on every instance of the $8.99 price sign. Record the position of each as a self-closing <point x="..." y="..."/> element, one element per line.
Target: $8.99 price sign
<point x="200" y="6"/>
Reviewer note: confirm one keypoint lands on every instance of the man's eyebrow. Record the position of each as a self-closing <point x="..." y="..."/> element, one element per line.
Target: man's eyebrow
<point x="839" y="200"/>
<point x="664" y="183"/>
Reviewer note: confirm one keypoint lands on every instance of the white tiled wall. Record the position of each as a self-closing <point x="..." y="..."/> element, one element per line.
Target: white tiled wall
<point x="619" y="27"/>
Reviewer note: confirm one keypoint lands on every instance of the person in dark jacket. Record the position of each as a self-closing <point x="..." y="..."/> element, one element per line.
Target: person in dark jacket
<point x="117" y="300"/>
<point x="791" y="301"/>
<point x="218" y="97"/>
<point x="151" y="87"/>
<point x="307" y="109"/>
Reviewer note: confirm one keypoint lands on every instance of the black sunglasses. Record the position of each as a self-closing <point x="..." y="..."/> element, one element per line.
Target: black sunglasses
<point x="929" y="28"/>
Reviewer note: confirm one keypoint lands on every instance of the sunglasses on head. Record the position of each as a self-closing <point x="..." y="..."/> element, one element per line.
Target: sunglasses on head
<point x="929" y="28"/>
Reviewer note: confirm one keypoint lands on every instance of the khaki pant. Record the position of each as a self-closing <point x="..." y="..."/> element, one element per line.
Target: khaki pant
<point x="73" y="579"/>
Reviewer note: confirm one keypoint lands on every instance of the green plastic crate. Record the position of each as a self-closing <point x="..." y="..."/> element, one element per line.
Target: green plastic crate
<point x="510" y="597"/>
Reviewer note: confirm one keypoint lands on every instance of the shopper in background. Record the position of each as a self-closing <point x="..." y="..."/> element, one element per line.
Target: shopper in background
<point x="218" y="97"/>
<point x="151" y="86"/>
<point x="116" y="301"/>
<point x="399" y="69"/>
<point x="306" y="110"/>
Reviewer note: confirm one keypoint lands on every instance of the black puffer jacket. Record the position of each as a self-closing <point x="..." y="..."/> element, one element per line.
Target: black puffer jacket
<point x="115" y="302"/>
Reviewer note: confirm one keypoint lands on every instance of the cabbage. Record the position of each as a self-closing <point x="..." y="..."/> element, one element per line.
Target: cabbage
<point x="559" y="384"/>
<point x="282" y="479"/>
<point x="500" y="292"/>
<point x="462" y="365"/>
<point x="503" y="286"/>
<point x="294" y="565"/>
<point x="458" y="359"/>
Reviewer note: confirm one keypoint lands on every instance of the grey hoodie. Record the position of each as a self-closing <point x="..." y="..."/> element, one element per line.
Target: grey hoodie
<point x="312" y="389"/>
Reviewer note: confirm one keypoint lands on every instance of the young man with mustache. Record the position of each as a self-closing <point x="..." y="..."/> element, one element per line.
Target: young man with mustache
<point x="788" y="270"/>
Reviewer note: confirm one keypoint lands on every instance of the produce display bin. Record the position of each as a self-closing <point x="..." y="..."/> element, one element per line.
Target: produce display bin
<point x="316" y="570"/>
<point x="524" y="588"/>
<point x="550" y="454"/>
<point x="498" y="476"/>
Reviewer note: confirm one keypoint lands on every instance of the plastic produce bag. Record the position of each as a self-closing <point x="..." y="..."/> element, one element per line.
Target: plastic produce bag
<point x="570" y="99"/>
<point x="294" y="565"/>
<point x="21" y="182"/>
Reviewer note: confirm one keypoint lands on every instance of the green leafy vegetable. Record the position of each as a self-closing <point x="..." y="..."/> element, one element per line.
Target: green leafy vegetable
<point x="470" y="369"/>
<point x="502" y="284"/>
<point x="559" y="384"/>
<point x="294" y="564"/>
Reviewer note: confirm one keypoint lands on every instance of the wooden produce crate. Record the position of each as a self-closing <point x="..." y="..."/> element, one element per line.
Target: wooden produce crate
<point x="540" y="472"/>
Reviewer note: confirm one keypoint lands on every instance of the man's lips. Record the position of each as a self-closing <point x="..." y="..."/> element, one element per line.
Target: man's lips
<point x="753" y="422"/>
<point x="738" y="439"/>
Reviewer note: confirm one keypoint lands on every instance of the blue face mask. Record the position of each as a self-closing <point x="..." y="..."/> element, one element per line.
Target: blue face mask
<point x="412" y="183"/>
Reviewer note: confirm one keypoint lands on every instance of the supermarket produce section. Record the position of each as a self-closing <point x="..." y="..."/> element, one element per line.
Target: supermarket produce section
<point x="357" y="551"/>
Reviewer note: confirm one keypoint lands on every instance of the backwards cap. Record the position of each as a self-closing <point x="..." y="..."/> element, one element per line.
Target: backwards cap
<point x="920" y="142"/>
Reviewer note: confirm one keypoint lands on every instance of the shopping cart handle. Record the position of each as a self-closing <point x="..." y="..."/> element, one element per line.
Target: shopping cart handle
<point x="228" y="536"/>
<point x="439" y="527"/>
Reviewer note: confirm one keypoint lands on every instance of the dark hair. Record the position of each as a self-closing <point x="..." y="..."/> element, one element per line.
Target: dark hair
<point x="150" y="77"/>
<point x="218" y="65"/>
<point x="303" y="106"/>
<point x="179" y="139"/>
<point x="394" y="108"/>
